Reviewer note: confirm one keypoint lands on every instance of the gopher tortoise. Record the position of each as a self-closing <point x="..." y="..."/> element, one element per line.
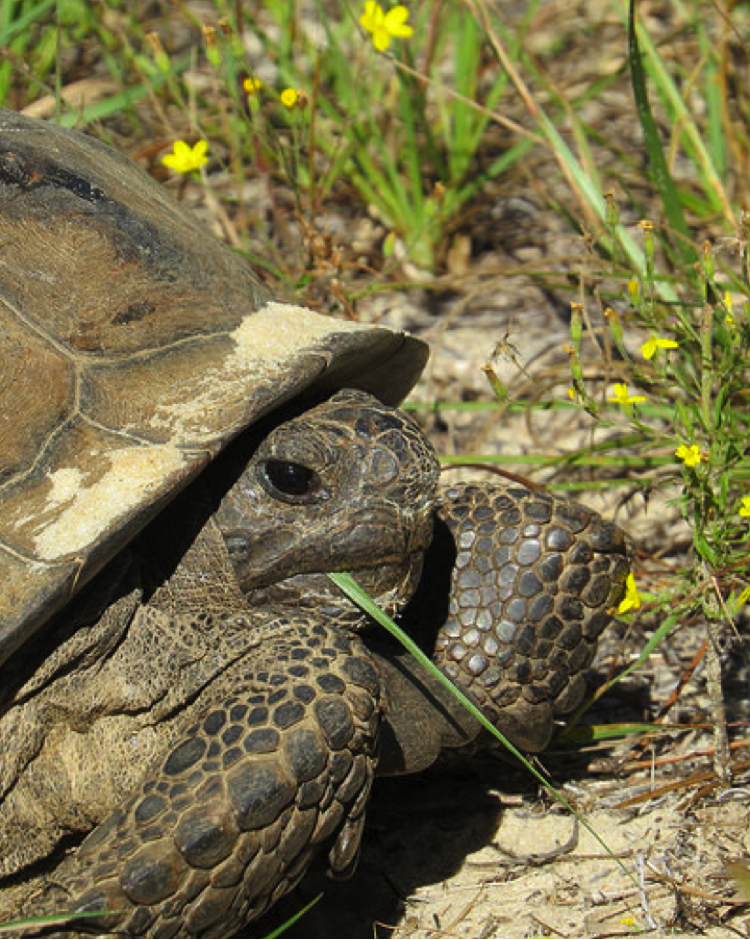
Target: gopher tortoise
<point x="190" y="710"/>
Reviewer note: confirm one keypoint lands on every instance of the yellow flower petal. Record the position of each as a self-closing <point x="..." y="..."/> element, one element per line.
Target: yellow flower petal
<point x="632" y="599"/>
<point x="384" y="26"/>
<point x="395" y="21"/>
<point x="648" y="350"/>
<point x="380" y="39"/>
<point x="622" y="396"/>
<point x="373" y="16"/>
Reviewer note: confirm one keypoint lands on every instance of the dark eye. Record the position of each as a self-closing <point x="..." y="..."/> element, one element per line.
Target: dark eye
<point x="291" y="479"/>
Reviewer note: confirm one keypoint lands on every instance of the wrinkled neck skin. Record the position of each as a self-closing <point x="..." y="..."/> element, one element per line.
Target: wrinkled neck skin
<point x="316" y="591"/>
<point x="359" y="498"/>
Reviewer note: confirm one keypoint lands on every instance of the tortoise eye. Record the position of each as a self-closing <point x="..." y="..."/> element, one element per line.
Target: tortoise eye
<point x="291" y="479"/>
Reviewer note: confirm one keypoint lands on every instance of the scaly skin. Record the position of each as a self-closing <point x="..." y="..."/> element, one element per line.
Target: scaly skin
<point x="246" y="725"/>
<point x="534" y="583"/>
<point x="259" y="749"/>
<point x="517" y="588"/>
<point x="279" y="769"/>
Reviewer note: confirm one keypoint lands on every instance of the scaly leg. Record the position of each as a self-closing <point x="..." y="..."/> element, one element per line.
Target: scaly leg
<point x="279" y="769"/>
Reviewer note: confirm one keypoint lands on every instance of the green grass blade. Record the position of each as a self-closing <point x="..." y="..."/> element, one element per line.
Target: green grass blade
<point x="658" y="168"/>
<point x="11" y="27"/>
<point x="347" y="584"/>
<point x="410" y="156"/>
<point x="588" y="734"/>
<point x="282" y="929"/>
<point x="682" y="117"/>
<point x="717" y="145"/>
<point x="115" y="104"/>
<point x="664" y="628"/>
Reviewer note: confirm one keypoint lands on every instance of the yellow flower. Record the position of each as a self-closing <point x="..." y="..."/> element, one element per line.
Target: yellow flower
<point x="632" y="599"/>
<point x="648" y="350"/>
<point x="690" y="456"/>
<point x="184" y="158"/>
<point x="384" y="26"/>
<point x="745" y="507"/>
<point x="252" y="85"/>
<point x="288" y="98"/>
<point x="622" y="396"/>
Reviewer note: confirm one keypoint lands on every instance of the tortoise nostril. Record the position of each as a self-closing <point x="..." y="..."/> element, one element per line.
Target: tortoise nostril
<point x="238" y="545"/>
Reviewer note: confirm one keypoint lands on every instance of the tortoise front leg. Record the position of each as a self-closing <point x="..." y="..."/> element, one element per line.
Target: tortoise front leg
<point x="277" y="770"/>
<point x="517" y="588"/>
<point x="535" y="581"/>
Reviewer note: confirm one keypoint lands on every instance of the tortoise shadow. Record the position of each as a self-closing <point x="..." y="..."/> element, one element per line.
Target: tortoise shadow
<point x="420" y="830"/>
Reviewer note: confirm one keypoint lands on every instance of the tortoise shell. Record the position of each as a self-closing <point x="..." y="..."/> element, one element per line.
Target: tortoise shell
<point x="134" y="346"/>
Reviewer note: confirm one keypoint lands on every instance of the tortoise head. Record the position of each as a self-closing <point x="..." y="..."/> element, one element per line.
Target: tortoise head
<point x="348" y="486"/>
